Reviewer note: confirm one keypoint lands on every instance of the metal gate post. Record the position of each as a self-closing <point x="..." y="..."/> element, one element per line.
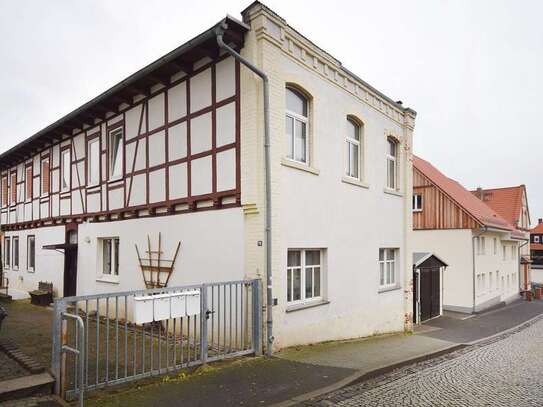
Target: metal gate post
<point x="203" y="323"/>
<point x="257" y="316"/>
<point x="56" y="357"/>
<point x="79" y="351"/>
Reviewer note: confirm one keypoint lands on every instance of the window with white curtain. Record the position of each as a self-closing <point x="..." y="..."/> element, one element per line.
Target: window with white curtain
<point x="392" y="163"/>
<point x="353" y="152"/>
<point x="304" y="275"/>
<point x="65" y="170"/>
<point x="110" y="256"/>
<point x="297" y="123"/>
<point x="93" y="162"/>
<point x="116" y="153"/>
<point x="388" y="269"/>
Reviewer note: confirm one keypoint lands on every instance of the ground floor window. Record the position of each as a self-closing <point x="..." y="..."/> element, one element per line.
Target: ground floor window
<point x="30" y="253"/>
<point x="7" y="252"/>
<point x="304" y="275"/>
<point x="388" y="268"/>
<point x="109" y="248"/>
<point x="16" y="252"/>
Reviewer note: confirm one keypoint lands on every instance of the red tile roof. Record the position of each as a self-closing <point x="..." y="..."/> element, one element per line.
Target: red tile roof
<point x="466" y="200"/>
<point x="537" y="229"/>
<point x="507" y="202"/>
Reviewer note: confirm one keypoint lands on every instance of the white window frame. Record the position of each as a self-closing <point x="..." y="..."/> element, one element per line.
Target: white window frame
<point x="384" y="282"/>
<point x="351" y="143"/>
<point x="536" y="239"/>
<point x="29" y="268"/>
<point x="65" y="170"/>
<point x="15" y="255"/>
<point x="91" y="164"/>
<point x="394" y="159"/>
<point x="495" y="246"/>
<point x="302" y="119"/>
<point x="303" y="267"/>
<point x="111" y="275"/>
<point x="417" y="203"/>
<point x="120" y="154"/>
<point x="7" y="252"/>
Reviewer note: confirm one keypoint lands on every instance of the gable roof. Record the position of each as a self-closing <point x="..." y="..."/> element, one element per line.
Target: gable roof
<point x="537" y="229"/>
<point x="507" y="202"/>
<point x="476" y="208"/>
<point x="158" y="72"/>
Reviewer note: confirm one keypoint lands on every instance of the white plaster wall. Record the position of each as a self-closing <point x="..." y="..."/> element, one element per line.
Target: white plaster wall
<point x="211" y="249"/>
<point x="49" y="263"/>
<point x="537" y="275"/>
<point x="453" y="246"/>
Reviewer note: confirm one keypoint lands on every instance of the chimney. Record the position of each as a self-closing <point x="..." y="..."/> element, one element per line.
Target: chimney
<point x="480" y="193"/>
<point x="540" y="221"/>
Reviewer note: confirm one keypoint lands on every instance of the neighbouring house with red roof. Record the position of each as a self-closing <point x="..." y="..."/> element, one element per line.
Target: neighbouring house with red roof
<point x="536" y="252"/>
<point x="511" y="203"/>
<point x="480" y="247"/>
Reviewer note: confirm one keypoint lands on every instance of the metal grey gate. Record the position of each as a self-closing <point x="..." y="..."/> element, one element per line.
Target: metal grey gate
<point x="97" y="342"/>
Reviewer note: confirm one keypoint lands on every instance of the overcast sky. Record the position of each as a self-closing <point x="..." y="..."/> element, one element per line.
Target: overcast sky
<point x="471" y="69"/>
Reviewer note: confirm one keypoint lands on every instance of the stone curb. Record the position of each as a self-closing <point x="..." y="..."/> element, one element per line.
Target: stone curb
<point x="29" y="363"/>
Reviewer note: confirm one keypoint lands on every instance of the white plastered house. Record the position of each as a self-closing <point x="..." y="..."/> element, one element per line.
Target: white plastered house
<point x="480" y="247"/>
<point x="178" y="148"/>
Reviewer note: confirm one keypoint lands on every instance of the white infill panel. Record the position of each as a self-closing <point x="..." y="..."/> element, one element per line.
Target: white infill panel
<point x="143" y="309"/>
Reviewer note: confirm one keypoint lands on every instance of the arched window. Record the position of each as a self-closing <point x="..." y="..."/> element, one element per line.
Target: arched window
<point x="353" y="143"/>
<point x="392" y="163"/>
<point x="297" y="121"/>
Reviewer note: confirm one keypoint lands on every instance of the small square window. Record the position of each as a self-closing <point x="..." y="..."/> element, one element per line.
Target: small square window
<point x="417" y="202"/>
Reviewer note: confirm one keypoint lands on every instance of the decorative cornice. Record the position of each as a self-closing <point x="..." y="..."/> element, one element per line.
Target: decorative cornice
<point x="273" y="28"/>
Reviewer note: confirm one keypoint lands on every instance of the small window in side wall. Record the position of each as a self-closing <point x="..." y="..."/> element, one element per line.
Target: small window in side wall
<point x="7" y="252"/>
<point x="495" y="246"/>
<point x="392" y="163"/>
<point x="353" y="167"/>
<point x="65" y="170"/>
<point x="31" y="253"/>
<point x="388" y="268"/>
<point x="116" y="153"/>
<point x="29" y="183"/>
<point x="13" y="188"/>
<point x="93" y="162"/>
<point x="45" y="177"/>
<point x="536" y="239"/>
<point x="15" y="243"/>
<point x="417" y="202"/>
<point x="109" y="252"/>
<point x="5" y="195"/>
<point x="297" y="123"/>
<point x="304" y="275"/>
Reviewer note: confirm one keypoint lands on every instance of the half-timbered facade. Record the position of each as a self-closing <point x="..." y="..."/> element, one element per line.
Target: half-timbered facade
<point x="178" y="148"/>
<point x="480" y="247"/>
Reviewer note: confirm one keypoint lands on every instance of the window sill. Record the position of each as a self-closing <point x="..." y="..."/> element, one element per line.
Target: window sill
<point x="387" y="289"/>
<point x="392" y="192"/>
<point x="417" y="210"/>
<point x="354" y="181"/>
<point x="31" y="271"/>
<point x="299" y="166"/>
<point x="108" y="280"/>
<point x="313" y="304"/>
<point x="114" y="179"/>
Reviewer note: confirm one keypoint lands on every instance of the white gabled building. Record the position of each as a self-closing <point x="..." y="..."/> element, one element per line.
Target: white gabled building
<point x="178" y="148"/>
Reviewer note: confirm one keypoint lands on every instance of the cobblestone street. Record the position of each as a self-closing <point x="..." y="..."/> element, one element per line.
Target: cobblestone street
<point x="504" y="371"/>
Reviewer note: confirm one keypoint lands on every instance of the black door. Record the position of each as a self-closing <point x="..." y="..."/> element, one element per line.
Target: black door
<point x="70" y="262"/>
<point x="429" y="293"/>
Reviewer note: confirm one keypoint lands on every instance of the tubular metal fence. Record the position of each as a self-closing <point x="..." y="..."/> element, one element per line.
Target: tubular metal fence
<point x="117" y="350"/>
